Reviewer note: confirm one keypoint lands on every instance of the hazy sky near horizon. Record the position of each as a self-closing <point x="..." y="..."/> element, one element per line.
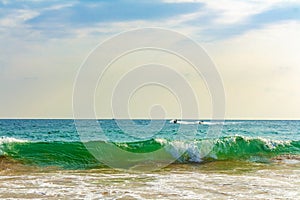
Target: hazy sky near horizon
<point x="254" y="44"/>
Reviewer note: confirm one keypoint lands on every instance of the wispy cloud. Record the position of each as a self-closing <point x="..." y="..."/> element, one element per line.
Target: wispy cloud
<point x="208" y="19"/>
<point x="17" y="17"/>
<point x="228" y="18"/>
<point x="228" y="11"/>
<point x="64" y="19"/>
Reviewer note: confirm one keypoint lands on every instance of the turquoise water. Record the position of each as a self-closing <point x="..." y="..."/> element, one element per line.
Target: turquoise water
<point x="48" y="159"/>
<point x="57" y="142"/>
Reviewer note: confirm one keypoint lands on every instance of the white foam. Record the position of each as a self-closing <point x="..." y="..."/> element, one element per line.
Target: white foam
<point x="180" y="183"/>
<point x="208" y="123"/>
<point x="161" y="141"/>
<point x="190" y="149"/>
<point x="4" y="140"/>
<point x="273" y="144"/>
<point x="186" y="122"/>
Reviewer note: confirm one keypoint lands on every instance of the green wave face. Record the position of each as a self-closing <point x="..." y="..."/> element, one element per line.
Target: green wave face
<point x="74" y="155"/>
<point x="246" y="148"/>
<point x="67" y="155"/>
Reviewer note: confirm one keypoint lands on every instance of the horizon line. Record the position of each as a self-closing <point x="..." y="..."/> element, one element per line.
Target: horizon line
<point x="243" y="119"/>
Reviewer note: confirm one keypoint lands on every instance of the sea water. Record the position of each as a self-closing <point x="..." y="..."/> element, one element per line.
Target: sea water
<point x="246" y="159"/>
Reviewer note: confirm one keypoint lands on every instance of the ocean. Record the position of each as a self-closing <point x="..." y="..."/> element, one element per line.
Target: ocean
<point x="143" y="159"/>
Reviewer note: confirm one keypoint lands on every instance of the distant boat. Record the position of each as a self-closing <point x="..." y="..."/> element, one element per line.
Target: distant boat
<point x="175" y="121"/>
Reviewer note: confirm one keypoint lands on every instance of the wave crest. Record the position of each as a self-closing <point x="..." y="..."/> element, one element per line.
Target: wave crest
<point x="74" y="155"/>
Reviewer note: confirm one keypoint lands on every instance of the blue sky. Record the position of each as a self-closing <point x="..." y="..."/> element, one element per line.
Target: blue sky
<point x="44" y="42"/>
<point x="56" y="19"/>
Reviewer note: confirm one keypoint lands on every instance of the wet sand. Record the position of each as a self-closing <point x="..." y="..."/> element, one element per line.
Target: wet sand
<point x="213" y="180"/>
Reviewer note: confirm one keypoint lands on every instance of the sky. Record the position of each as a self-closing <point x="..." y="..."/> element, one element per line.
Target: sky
<point x="254" y="44"/>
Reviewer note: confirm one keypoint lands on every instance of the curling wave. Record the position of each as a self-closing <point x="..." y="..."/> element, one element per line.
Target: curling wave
<point x="74" y="155"/>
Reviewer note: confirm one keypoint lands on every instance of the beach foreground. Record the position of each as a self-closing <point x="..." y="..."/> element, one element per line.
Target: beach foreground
<point x="215" y="180"/>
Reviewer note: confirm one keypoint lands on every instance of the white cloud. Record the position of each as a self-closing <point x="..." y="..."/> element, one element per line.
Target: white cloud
<point x="232" y="11"/>
<point x="59" y="6"/>
<point x="17" y="17"/>
<point x="117" y="27"/>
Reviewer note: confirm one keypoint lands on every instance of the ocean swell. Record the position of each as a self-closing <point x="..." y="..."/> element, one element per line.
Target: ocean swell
<point x="74" y="155"/>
